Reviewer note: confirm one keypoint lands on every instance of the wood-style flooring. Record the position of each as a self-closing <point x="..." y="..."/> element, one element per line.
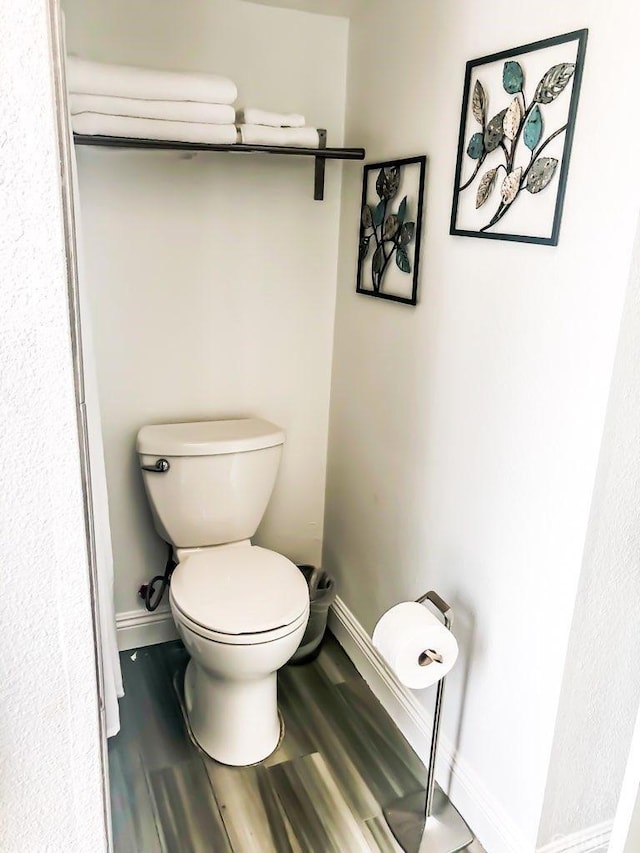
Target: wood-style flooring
<point x="341" y="762"/>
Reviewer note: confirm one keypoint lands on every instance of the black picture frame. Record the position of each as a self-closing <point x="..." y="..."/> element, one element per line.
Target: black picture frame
<point x="368" y="171"/>
<point x="579" y="36"/>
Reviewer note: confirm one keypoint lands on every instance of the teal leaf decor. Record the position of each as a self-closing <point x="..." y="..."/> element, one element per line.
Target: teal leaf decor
<point x="554" y="82"/>
<point x="475" y="149"/>
<point x="494" y="134"/>
<point x="388" y="182"/>
<point x="402" y="260"/>
<point x="367" y="217"/>
<point x="402" y="210"/>
<point x="532" y="132"/>
<point x="541" y="173"/>
<point x="512" y="77"/>
<point x="378" y="214"/>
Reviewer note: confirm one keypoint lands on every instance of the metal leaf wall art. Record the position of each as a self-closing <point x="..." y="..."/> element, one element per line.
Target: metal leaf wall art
<point x="389" y="231"/>
<point x="509" y="147"/>
<point x="504" y="131"/>
<point x="390" y="227"/>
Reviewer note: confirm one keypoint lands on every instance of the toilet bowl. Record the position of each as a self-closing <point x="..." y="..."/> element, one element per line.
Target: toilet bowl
<point x="241" y="613"/>
<point x="241" y="610"/>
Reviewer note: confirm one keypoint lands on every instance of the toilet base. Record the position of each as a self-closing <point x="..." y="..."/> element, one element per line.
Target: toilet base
<point x="234" y="722"/>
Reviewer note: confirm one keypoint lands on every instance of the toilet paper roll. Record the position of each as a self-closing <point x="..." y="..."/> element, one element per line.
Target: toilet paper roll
<point x="402" y="636"/>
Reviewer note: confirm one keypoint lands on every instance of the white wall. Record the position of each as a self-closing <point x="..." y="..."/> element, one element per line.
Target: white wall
<point x="625" y="837"/>
<point x="465" y="432"/>
<point x="50" y="774"/>
<point x="601" y="687"/>
<point x="213" y="279"/>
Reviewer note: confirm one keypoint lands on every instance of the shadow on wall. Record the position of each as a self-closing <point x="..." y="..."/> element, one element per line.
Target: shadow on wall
<point x="138" y="551"/>
<point x="464" y="628"/>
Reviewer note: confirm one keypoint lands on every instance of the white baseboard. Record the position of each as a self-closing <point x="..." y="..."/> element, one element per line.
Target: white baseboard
<point x="138" y="628"/>
<point x="494" y="828"/>
<point x="592" y="840"/>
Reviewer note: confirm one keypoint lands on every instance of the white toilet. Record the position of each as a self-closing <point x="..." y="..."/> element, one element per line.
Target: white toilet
<point x="241" y="610"/>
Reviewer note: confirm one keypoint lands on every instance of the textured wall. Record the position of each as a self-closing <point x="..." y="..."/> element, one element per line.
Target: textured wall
<point x="465" y="433"/>
<point x="49" y="750"/>
<point x="601" y="687"/>
<point x="212" y="279"/>
<point x="625" y="836"/>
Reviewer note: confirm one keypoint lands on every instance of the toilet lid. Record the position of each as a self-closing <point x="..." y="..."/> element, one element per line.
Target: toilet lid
<point x="239" y="590"/>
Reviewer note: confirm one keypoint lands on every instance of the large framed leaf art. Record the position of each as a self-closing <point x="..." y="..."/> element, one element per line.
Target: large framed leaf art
<point x="516" y="130"/>
<point x="390" y="229"/>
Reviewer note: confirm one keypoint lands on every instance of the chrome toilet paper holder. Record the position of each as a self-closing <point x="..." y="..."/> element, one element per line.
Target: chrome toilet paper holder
<point x="432" y="825"/>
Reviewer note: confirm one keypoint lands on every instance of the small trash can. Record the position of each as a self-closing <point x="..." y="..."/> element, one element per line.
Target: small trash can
<point x="322" y="593"/>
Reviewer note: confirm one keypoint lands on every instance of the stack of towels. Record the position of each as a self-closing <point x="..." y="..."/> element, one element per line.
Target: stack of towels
<point x="141" y="103"/>
<point x="119" y="100"/>
<point x="259" y="127"/>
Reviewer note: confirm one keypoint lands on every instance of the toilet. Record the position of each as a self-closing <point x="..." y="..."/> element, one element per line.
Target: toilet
<point x="241" y="610"/>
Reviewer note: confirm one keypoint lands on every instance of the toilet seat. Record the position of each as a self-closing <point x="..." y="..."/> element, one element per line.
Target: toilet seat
<point x="239" y="595"/>
<point x="237" y="639"/>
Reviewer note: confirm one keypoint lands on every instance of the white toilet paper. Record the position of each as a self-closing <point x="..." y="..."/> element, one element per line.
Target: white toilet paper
<point x="401" y="636"/>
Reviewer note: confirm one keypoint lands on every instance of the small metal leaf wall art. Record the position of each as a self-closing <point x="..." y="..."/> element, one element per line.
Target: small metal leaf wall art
<point x="390" y="229"/>
<point x="521" y="149"/>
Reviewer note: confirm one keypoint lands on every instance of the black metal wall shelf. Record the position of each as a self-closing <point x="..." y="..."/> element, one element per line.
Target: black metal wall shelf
<point x="320" y="155"/>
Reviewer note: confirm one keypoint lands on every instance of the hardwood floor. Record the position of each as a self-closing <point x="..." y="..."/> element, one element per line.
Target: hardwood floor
<point x="324" y="790"/>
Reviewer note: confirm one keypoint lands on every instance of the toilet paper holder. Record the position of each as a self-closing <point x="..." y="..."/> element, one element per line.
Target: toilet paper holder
<point x="447" y="614"/>
<point x="433" y="826"/>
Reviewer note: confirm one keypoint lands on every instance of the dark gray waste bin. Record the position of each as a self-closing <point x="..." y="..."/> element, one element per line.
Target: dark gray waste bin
<point x="322" y="593"/>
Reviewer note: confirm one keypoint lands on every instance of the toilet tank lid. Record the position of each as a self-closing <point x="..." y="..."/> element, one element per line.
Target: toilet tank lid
<point x="208" y="438"/>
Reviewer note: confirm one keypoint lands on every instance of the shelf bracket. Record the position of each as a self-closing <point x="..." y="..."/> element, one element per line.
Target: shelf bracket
<point x="318" y="189"/>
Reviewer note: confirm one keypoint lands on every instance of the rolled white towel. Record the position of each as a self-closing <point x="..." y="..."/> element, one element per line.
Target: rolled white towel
<point x="251" y="115"/>
<point x="140" y="108"/>
<point x="97" y="124"/>
<point x="126" y="81"/>
<point x="297" y="137"/>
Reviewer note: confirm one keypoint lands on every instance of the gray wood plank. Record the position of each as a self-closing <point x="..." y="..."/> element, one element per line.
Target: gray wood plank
<point x="376" y="747"/>
<point x="327" y="717"/>
<point x="334" y="663"/>
<point x="151" y="718"/>
<point x="251" y="811"/>
<point x="187" y="813"/>
<point x="312" y="801"/>
<point x="133" y="817"/>
<point x="381" y="838"/>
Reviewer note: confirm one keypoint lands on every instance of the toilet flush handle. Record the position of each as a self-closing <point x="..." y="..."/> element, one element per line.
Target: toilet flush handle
<point x="161" y="466"/>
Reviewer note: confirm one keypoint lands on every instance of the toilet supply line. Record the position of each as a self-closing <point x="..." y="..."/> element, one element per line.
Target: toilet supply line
<point x="147" y="591"/>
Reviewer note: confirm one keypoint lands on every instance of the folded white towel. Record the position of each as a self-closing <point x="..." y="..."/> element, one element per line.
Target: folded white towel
<point x="251" y="115"/>
<point x="298" y="137"/>
<point x="125" y="81"/>
<point x="95" y="124"/>
<point x="140" y="108"/>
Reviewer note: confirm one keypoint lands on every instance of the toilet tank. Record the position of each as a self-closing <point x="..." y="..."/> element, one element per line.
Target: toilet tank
<point x="218" y="482"/>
